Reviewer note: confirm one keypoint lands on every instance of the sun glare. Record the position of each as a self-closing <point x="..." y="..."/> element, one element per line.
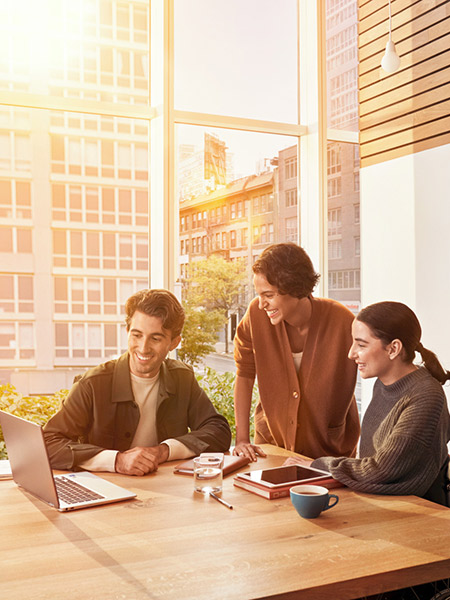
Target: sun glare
<point x="40" y="37"/>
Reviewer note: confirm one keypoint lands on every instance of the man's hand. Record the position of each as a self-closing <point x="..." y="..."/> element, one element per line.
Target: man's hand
<point x="249" y="450"/>
<point x="140" y="461"/>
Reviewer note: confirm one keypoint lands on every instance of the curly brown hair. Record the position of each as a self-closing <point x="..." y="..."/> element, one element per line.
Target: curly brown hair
<point x="287" y="267"/>
<point x="157" y="303"/>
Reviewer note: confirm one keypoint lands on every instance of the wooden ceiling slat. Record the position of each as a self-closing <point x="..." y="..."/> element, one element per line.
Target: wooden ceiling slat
<point x="367" y="19"/>
<point x="414" y="50"/>
<point x="413" y="18"/>
<point x="411" y="122"/>
<point x="371" y="54"/>
<point x="391" y="153"/>
<point x="407" y="106"/>
<point x="410" y="136"/>
<point x="409" y="75"/>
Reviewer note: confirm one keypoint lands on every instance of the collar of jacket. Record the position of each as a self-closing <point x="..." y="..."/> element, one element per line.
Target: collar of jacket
<point x="121" y="384"/>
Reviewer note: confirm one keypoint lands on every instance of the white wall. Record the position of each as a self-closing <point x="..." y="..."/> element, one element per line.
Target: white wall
<point x="405" y="242"/>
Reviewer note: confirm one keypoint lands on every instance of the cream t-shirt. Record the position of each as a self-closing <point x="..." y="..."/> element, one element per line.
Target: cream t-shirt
<point x="145" y="392"/>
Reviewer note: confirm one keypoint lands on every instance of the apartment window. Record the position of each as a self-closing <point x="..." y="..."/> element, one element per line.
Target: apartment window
<point x="333" y="158"/>
<point x="334" y="221"/>
<point x="344" y="280"/>
<point x="334" y="249"/>
<point x="356" y="214"/>
<point x="357" y="246"/>
<point x="16" y="294"/>
<point x="263" y="234"/>
<point x="233" y="210"/>
<point x="291" y="229"/>
<point x="291" y="168"/>
<point x="291" y="197"/>
<point x="17" y="341"/>
<point x="233" y="239"/>
<point x="334" y="187"/>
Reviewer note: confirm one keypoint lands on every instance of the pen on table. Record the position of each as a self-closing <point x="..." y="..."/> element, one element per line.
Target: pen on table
<point x="220" y="500"/>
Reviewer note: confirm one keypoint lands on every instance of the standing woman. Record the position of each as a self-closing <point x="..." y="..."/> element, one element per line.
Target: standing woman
<point x="296" y="345"/>
<point x="406" y="427"/>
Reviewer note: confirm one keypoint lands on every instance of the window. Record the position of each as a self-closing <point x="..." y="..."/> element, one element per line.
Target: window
<point x="334" y="249"/>
<point x="334" y="187"/>
<point x="344" y="280"/>
<point x="334" y="221"/>
<point x="291" y="197"/>
<point x="291" y="168"/>
<point x="74" y="186"/>
<point x="291" y="229"/>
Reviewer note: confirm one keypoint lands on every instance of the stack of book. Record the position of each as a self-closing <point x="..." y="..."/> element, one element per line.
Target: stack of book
<point x="277" y="481"/>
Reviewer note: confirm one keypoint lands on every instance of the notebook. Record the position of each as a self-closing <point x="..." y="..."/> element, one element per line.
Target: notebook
<point x="31" y="470"/>
<point x="230" y="464"/>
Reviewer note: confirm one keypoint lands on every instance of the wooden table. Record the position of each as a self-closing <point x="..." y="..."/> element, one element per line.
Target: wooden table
<point x="172" y="543"/>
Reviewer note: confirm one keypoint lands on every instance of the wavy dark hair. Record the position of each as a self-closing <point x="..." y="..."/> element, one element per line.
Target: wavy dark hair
<point x="287" y="267"/>
<point x="157" y="303"/>
<point x="390" y="321"/>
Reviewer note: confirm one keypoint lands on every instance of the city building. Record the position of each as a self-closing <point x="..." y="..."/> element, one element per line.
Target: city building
<point x="73" y="192"/>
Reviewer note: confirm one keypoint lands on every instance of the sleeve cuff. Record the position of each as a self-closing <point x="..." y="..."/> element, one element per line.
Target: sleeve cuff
<point x="177" y="450"/>
<point x="103" y="461"/>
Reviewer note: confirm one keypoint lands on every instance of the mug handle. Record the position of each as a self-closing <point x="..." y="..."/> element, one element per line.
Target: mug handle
<point x="336" y="500"/>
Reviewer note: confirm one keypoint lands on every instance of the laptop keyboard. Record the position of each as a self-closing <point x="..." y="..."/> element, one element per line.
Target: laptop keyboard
<point x="71" y="492"/>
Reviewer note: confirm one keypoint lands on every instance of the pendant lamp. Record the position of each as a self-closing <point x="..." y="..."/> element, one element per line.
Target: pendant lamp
<point x="390" y="61"/>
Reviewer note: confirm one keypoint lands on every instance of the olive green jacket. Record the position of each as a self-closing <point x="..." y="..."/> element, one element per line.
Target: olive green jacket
<point x="100" y="413"/>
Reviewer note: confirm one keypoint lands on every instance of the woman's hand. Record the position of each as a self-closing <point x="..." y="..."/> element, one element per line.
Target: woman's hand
<point x="296" y="460"/>
<point x="249" y="450"/>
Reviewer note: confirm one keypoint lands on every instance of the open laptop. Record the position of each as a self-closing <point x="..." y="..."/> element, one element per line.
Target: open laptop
<point x="31" y="470"/>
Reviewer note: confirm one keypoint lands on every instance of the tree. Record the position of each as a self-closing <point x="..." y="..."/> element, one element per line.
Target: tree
<point x="215" y="284"/>
<point x="199" y="333"/>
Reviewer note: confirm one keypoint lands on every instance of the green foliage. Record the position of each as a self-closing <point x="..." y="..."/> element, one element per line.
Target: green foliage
<point x="200" y="333"/>
<point x="38" y="409"/>
<point x="220" y="388"/>
<point x="214" y="285"/>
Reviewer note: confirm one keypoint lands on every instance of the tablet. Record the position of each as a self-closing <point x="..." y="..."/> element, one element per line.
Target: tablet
<point x="286" y="475"/>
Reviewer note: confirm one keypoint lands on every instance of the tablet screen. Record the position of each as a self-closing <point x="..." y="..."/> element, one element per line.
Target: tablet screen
<point x="284" y="475"/>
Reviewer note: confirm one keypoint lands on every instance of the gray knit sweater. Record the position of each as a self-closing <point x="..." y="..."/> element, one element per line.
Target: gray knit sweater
<point x="404" y="438"/>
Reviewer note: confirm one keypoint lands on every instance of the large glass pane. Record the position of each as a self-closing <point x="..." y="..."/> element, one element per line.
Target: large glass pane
<point x="342" y="64"/>
<point x="91" y="49"/>
<point x="238" y="193"/>
<point x="344" y="275"/>
<point x="77" y="235"/>
<point x="237" y="58"/>
<point x="343" y="158"/>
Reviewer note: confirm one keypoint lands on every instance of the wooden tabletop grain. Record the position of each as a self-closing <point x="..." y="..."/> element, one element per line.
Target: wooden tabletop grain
<point x="172" y="543"/>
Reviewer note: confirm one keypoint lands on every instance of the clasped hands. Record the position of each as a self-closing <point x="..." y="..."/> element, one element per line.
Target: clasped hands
<point x="141" y="460"/>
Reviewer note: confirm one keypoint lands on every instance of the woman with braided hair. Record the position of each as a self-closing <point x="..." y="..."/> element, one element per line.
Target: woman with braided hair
<point x="406" y="427"/>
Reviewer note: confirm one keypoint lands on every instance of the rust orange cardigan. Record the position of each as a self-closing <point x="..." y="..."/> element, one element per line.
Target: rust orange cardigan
<point x="313" y="413"/>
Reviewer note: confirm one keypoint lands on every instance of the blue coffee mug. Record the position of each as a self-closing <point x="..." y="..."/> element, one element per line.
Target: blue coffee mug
<point x="310" y="500"/>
